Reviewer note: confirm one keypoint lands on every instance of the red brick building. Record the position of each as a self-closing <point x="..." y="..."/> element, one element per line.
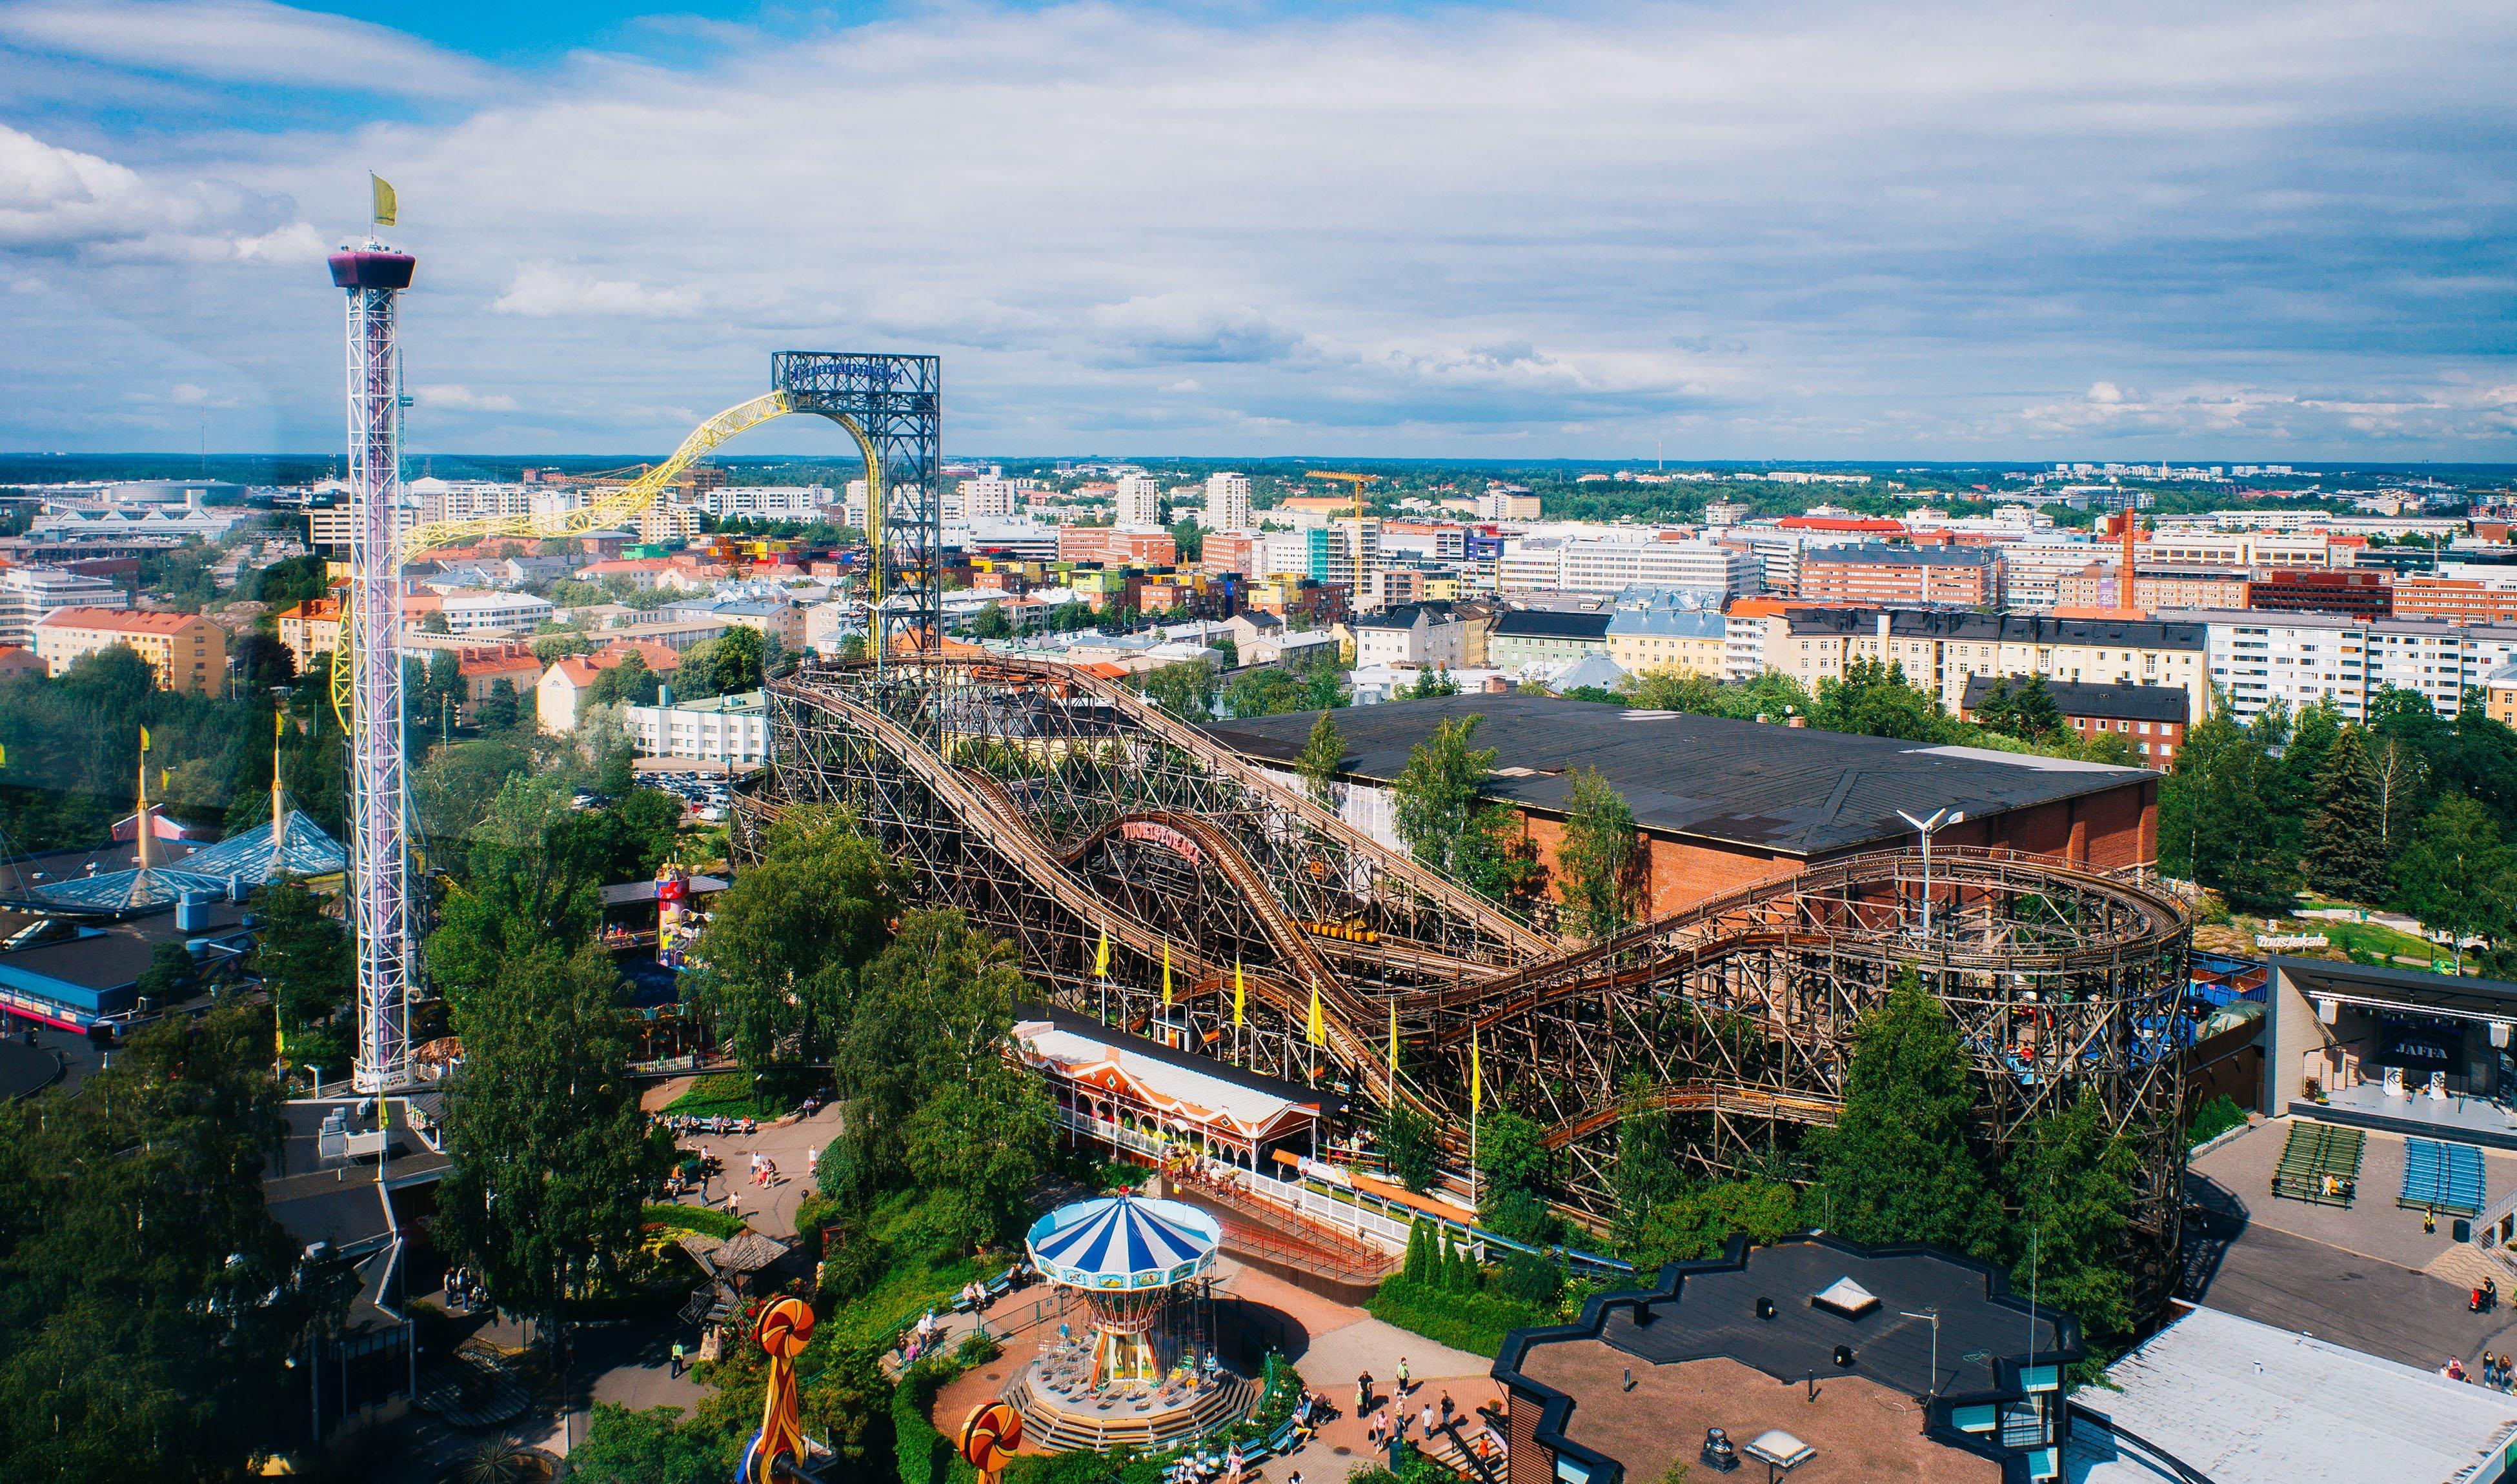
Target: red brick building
<point x="1726" y="804"/>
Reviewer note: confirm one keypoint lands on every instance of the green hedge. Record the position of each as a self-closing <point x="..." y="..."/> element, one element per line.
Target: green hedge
<point x="696" y="1218"/>
<point x="1473" y="1322"/>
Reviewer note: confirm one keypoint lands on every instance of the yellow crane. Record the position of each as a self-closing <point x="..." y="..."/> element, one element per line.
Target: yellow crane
<point x="1355" y="598"/>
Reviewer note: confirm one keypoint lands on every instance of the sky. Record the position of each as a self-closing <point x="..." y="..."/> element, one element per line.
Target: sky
<point x="1792" y="229"/>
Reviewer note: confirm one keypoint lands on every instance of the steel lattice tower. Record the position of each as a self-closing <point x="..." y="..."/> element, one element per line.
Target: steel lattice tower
<point x="379" y="788"/>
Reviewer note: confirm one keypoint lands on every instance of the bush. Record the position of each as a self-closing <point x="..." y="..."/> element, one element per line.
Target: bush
<point x="2214" y="1119"/>
<point x="1473" y="1322"/>
<point x="693" y="1218"/>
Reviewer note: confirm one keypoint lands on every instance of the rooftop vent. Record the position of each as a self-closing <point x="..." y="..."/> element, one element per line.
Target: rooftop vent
<point x="1845" y="1297"/>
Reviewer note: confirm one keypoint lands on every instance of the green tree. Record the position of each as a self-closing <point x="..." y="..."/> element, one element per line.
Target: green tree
<point x="1515" y="1166"/>
<point x="1408" y="1144"/>
<point x="2346" y="847"/>
<point x="782" y="943"/>
<point x="2456" y="874"/>
<point x="2021" y="708"/>
<point x="1322" y="756"/>
<point x="1446" y="822"/>
<point x="2071" y="1182"/>
<point x="1898" y="1165"/>
<point x="550" y="1155"/>
<point x="932" y="1104"/>
<point x="1599" y="858"/>
<point x="1700" y="1221"/>
<point x="152" y="1303"/>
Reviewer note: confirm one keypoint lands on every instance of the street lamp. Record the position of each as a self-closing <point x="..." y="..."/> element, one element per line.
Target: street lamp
<point x="1941" y="820"/>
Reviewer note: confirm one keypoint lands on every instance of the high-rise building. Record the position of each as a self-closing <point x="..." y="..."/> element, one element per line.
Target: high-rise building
<point x="1227" y="501"/>
<point x="1140" y="503"/>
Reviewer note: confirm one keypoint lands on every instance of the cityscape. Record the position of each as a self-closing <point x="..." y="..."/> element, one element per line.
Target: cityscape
<point x="1473" y="845"/>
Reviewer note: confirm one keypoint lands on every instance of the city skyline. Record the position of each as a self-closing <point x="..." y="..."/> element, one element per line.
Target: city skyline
<point x="1819" y="233"/>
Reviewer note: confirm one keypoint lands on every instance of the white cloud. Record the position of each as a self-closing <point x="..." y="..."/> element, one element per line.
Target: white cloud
<point x="1819" y="228"/>
<point x="250" y="41"/>
<point x="461" y="398"/>
<point x="542" y="291"/>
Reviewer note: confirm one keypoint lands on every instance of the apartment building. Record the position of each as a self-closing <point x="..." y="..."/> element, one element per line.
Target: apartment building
<point x="2302" y="659"/>
<point x="1940" y="650"/>
<point x="187" y="652"/>
<point x="28" y="593"/>
<point x="1227" y="501"/>
<point x="1418" y="635"/>
<point x="2177" y="547"/>
<point x="1670" y="639"/>
<point x="310" y="628"/>
<point x="2457" y="599"/>
<point x="2097" y="585"/>
<point x="1955" y="577"/>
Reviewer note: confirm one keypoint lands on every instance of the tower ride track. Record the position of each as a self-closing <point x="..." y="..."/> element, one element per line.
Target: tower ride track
<point x="1057" y="809"/>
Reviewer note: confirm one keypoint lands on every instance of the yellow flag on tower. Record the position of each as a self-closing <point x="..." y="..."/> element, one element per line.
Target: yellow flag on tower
<point x="1167" y="976"/>
<point x="1319" y="1032"/>
<point x="1101" y="956"/>
<point x="1240" y="994"/>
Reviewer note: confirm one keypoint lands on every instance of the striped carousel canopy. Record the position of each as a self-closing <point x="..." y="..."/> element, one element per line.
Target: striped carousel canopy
<point x="1122" y="1242"/>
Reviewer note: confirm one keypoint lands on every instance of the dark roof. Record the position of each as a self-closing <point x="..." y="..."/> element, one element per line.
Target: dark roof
<point x="1874" y="554"/>
<point x="1535" y="623"/>
<point x="1700" y="1310"/>
<point x="1793" y="790"/>
<point x="2131" y="702"/>
<point x="2005" y="628"/>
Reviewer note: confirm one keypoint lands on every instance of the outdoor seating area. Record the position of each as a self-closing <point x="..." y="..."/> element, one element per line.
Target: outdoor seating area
<point x="2320" y="1165"/>
<point x="2441" y="1177"/>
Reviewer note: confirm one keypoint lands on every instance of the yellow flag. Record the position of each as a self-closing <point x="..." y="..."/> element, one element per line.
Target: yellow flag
<point x="1476" y="1071"/>
<point x="1393" y="1039"/>
<point x="1239" y="994"/>
<point x="1319" y="1031"/>
<point x="144" y="739"/>
<point x="1102" y="956"/>
<point x="1167" y="976"/>
<point x="385" y="203"/>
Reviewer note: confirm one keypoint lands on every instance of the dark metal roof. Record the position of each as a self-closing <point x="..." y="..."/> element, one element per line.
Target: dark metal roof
<point x="1791" y="789"/>
<point x="1701" y="1310"/>
<point x="1535" y="623"/>
<point x="2131" y="702"/>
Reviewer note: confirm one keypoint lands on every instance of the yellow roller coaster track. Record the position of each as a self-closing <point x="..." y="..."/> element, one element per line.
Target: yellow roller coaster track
<point x="611" y="507"/>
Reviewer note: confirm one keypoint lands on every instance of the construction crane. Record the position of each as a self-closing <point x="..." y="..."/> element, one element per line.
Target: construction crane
<point x="1358" y="481"/>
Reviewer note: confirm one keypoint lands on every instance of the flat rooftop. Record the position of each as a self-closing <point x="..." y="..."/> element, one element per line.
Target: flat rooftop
<point x="1797" y="791"/>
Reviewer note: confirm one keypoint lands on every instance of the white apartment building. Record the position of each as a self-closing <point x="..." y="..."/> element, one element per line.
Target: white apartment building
<point x="474" y="612"/>
<point x="722" y="729"/>
<point x="1227" y="501"/>
<point x="468" y="500"/>
<point x="989" y="498"/>
<point x="1140" y="503"/>
<point x="2302" y="659"/>
<point x="28" y="593"/>
<point x="1613" y="564"/>
<point x="764" y="503"/>
<point x="2242" y="548"/>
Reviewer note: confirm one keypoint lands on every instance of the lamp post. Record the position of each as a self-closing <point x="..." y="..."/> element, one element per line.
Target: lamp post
<point x="1941" y="820"/>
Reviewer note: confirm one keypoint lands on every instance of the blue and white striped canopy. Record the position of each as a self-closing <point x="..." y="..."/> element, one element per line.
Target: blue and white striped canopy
<point x="1122" y="1242"/>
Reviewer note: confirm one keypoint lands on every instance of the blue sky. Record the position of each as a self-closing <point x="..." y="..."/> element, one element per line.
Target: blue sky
<point x="1783" y="230"/>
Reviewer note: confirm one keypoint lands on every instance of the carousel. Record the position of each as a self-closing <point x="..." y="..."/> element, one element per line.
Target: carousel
<point x="1144" y="1371"/>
